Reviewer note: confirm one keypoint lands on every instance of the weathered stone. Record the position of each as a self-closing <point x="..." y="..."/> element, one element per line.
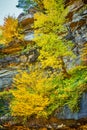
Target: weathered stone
<point x="6" y="77"/>
<point x="77" y="32"/>
<point x="66" y="113"/>
<point x="29" y="36"/>
<point x="26" y="20"/>
<point x="23" y="59"/>
<point x="33" y="55"/>
<point x="77" y="26"/>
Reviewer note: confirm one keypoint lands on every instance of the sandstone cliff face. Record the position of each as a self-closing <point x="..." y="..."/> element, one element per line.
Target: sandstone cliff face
<point x="27" y="21"/>
<point x="12" y="56"/>
<point x="77" y="25"/>
<point x="77" y="32"/>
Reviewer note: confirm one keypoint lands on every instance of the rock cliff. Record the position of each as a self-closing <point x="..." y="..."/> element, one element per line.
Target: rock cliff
<point x="77" y="25"/>
<point x="77" y="32"/>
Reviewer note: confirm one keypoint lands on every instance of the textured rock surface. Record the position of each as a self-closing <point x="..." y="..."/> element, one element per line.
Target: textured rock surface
<point x="67" y="114"/>
<point x="10" y="64"/>
<point x="12" y="57"/>
<point x="77" y="25"/>
<point x="77" y="32"/>
<point x="27" y="21"/>
<point x="6" y="78"/>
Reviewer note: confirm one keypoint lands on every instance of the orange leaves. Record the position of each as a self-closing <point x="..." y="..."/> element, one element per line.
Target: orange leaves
<point x="10" y="30"/>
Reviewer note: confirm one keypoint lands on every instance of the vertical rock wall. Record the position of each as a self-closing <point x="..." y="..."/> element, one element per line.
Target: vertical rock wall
<point x="77" y="32"/>
<point x="66" y="113"/>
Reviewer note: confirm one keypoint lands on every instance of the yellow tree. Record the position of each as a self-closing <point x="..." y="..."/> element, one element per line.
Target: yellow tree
<point x="29" y="94"/>
<point x="49" y="33"/>
<point x="10" y="30"/>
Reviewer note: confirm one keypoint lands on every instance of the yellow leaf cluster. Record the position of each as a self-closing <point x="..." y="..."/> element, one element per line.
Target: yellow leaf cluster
<point x="49" y="28"/>
<point x="10" y="30"/>
<point x="29" y="95"/>
<point x="28" y="104"/>
<point x="36" y="92"/>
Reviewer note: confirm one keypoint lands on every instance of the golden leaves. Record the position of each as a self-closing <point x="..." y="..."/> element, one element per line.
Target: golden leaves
<point x="10" y="30"/>
<point x="29" y="95"/>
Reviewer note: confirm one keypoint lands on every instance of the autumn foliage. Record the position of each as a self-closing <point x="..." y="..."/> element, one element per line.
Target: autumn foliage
<point x="52" y="81"/>
<point x="10" y="30"/>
